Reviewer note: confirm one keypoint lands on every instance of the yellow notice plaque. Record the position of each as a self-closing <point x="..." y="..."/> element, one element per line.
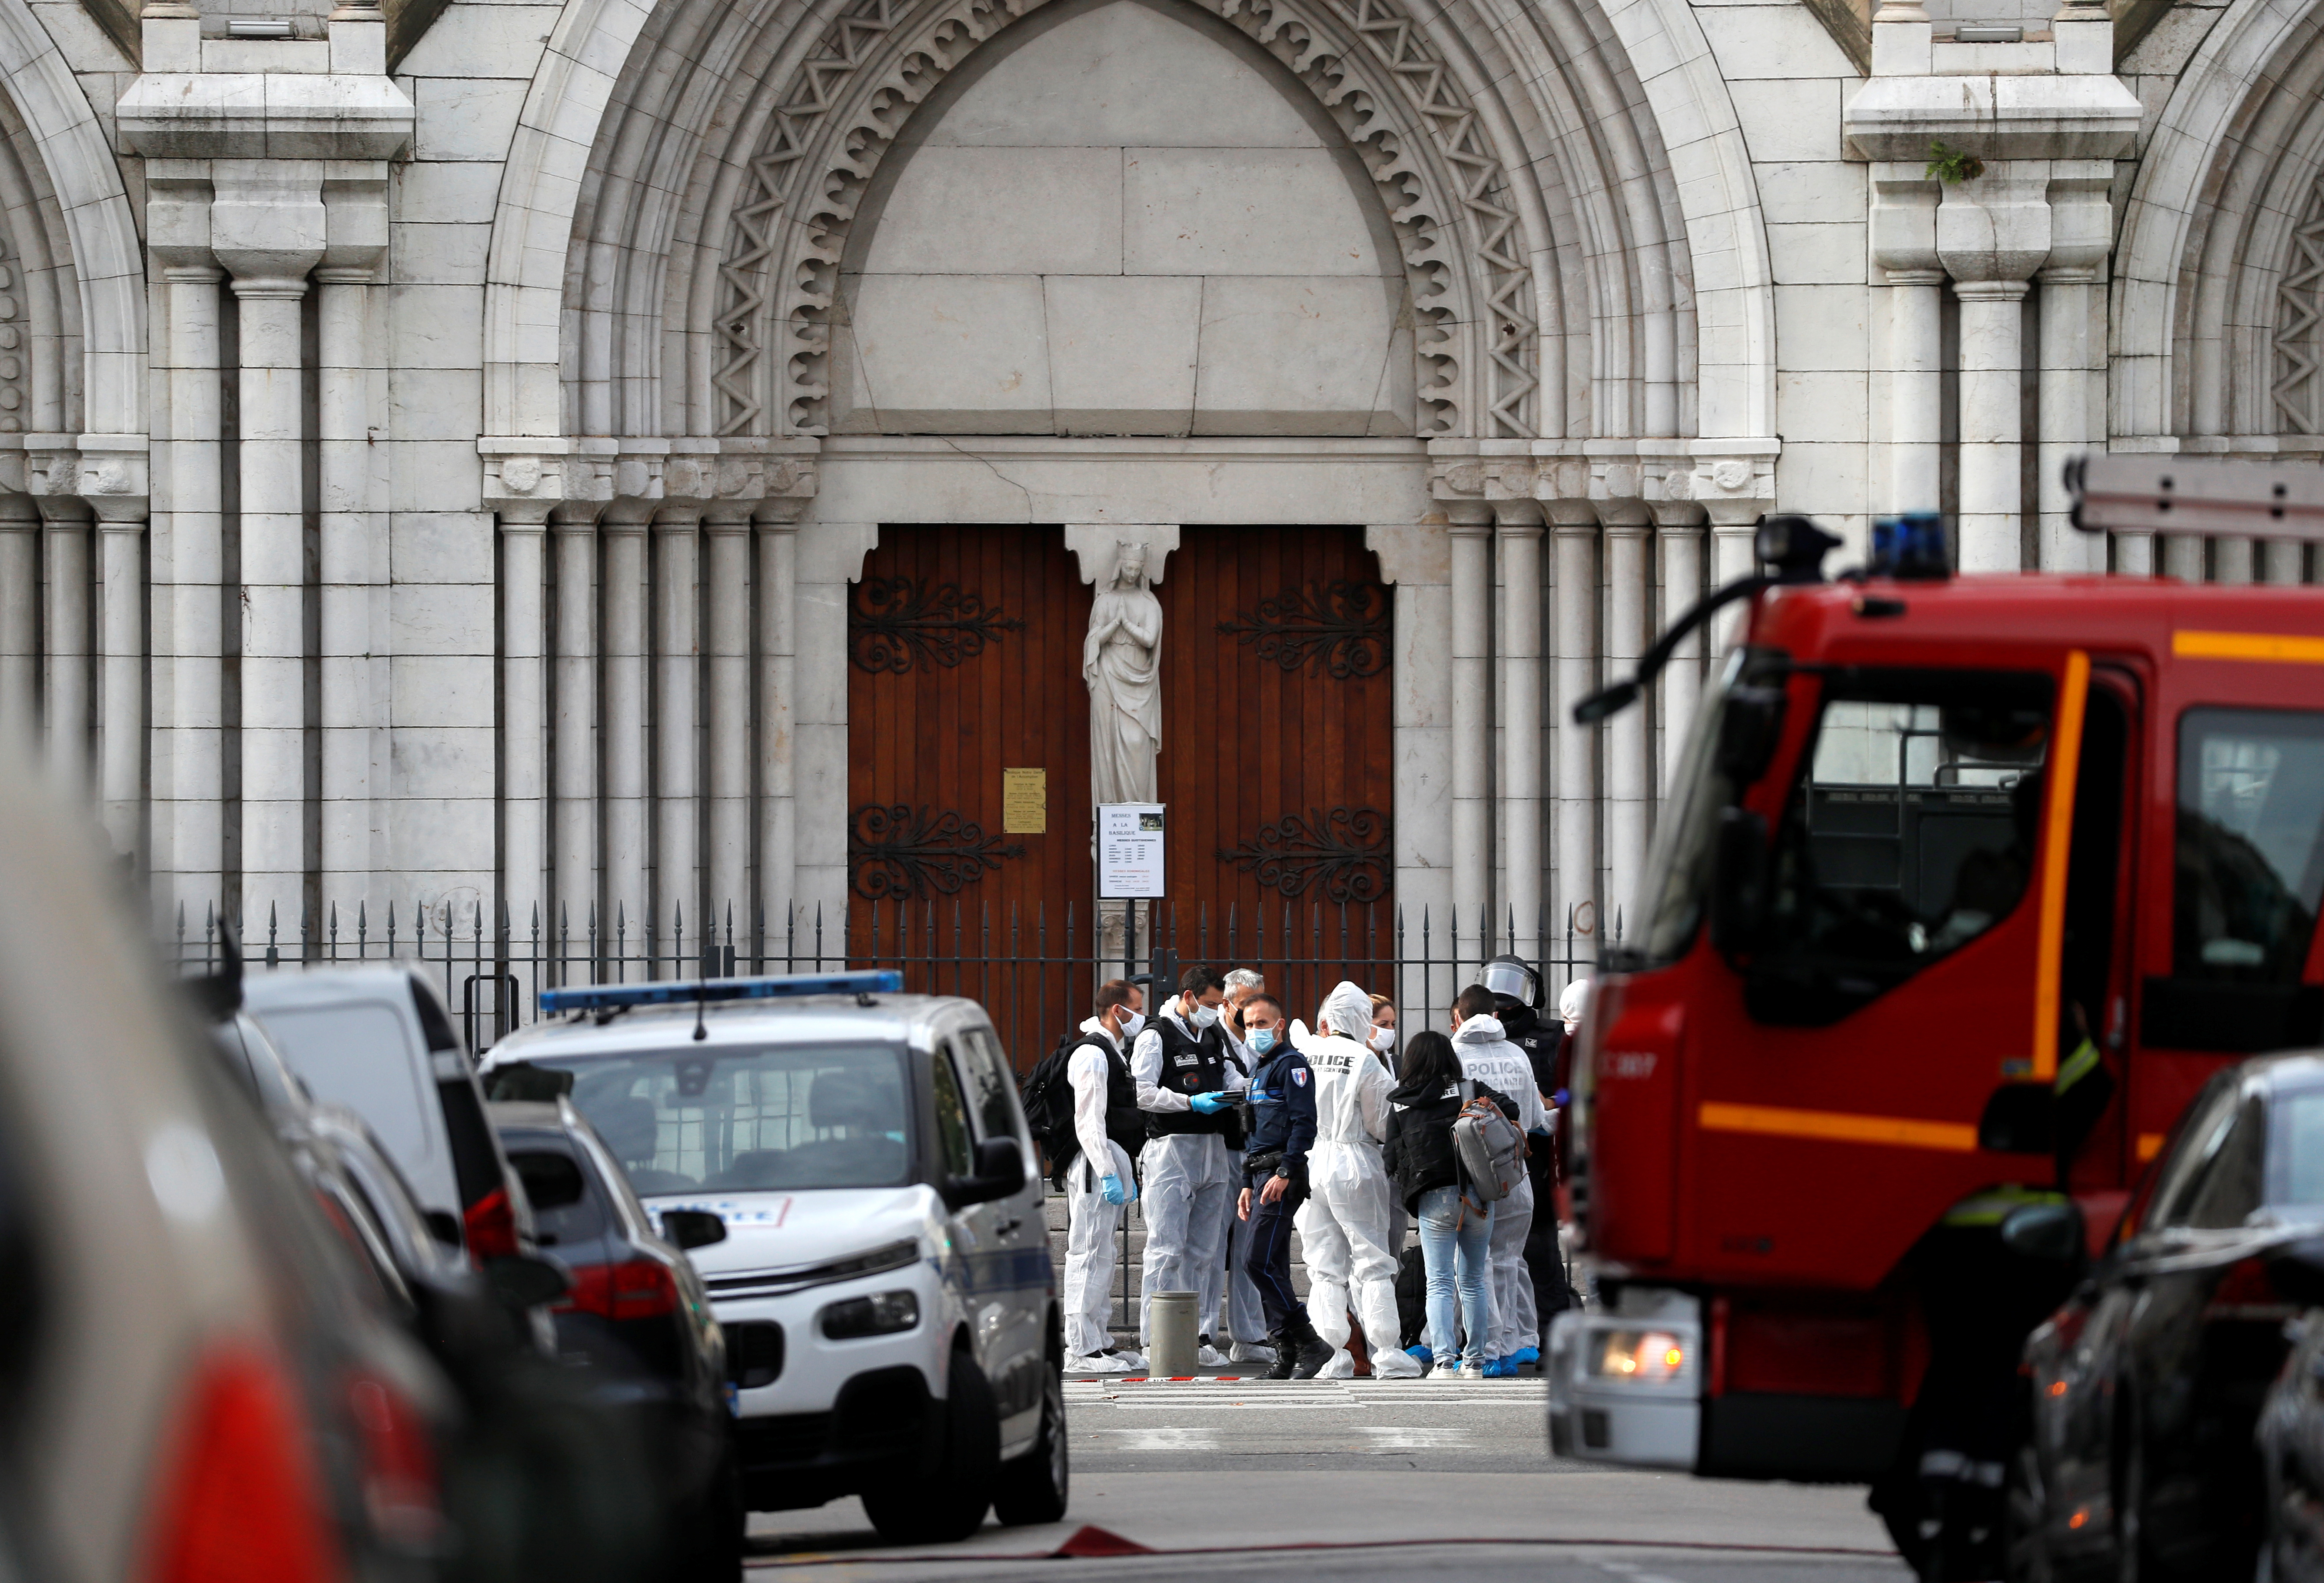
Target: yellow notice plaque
<point x="1024" y="802"/>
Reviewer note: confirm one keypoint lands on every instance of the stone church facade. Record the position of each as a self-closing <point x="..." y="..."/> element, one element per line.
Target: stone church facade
<point x="636" y="458"/>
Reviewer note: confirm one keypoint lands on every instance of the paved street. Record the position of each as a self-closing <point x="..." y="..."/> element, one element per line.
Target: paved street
<point x="1212" y="1473"/>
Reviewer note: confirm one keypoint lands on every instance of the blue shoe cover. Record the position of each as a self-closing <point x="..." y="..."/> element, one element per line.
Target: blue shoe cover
<point x="1421" y="1353"/>
<point x="1526" y="1355"/>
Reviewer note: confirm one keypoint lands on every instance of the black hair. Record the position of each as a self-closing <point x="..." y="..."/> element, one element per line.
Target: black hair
<point x="1429" y="1066"/>
<point x="1263" y="999"/>
<point x="1476" y="1000"/>
<point x="1199" y="980"/>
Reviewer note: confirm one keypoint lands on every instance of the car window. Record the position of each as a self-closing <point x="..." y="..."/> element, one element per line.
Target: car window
<point x="1912" y="830"/>
<point x="358" y="1055"/>
<point x="2190" y="1162"/>
<point x="565" y="1207"/>
<point x="2295" y="1167"/>
<point x="2250" y="869"/>
<point x="2229" y="1189"/>
<point x="952" y="1121"/>
<point x="745" y="1118"/>
<point x="984" y="1073"/>
<point x="267" y="1068"/>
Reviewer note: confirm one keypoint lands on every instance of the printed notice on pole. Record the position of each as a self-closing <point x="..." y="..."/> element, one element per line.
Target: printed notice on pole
<point x="1129" y="850"/>
<point x="1024" y="802"/>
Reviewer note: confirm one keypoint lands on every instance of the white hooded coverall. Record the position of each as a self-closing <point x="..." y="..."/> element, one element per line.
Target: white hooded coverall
<point x="1189" y="1179"/>
<point x="1343" y="1225"/>
<point x="1487" y="1056"/>
<point x="1090" y="1221"/>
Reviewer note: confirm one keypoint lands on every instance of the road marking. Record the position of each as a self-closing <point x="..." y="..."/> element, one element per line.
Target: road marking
<point x="1163" y="1438"/>
<point x="1416" y="1439"/>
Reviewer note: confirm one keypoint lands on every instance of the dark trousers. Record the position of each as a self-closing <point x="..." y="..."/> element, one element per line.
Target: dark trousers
<point x="1269" y="1262"/>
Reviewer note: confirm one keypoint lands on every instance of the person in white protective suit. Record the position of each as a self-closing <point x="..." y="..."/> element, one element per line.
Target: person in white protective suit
<point x="1487" y="1056"/>
<point x="1192" y="1167"/>
<point x="1100" y="1183"/>
<point x="1344" y="1226"/>
<point x="1243" y="1336"/>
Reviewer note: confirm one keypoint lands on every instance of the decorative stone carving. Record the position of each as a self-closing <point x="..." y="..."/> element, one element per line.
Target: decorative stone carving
<point x="2299" y="305"/>
<point x="1371" y="68"/>
<point x="1121" y="662"/>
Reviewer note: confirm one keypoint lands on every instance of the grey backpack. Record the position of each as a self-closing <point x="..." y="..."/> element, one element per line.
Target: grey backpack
<point x="1490" y="1147"/>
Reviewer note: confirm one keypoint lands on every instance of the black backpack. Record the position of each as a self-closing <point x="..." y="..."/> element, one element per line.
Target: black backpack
<point x="1049" y="1105"/>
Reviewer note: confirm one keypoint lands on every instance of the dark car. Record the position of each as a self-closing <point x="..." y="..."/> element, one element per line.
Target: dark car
<point x="2292" y="1420"/>
<point x="2145" y="1386"/>
<point x="637" y="1318"/>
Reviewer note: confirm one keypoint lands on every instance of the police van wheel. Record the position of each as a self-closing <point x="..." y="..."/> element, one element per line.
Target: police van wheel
<point x="1034" y="1487"/>
<point x="946" y="1497"/>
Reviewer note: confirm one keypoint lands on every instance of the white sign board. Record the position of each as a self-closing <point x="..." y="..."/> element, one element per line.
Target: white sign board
<point x="1129" y="850"/>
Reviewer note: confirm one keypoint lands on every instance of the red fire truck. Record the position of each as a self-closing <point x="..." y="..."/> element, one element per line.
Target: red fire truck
<point x="1935" y="845"/>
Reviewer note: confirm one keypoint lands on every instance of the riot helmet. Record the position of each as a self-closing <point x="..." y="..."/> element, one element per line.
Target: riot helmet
<point x="1511" y="977"/>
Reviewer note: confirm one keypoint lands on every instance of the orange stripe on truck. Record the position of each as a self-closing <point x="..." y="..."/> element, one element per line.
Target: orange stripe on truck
<point x="1839" y="1127"/>
<point x="2279" y="648"/>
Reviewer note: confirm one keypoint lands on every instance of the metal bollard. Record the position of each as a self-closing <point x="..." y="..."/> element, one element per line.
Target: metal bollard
<point x="1173" y="1352"/>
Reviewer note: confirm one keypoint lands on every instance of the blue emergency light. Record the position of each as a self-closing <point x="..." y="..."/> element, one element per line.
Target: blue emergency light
<point x="1911" y="547"/>
<point x="699" y="991"/>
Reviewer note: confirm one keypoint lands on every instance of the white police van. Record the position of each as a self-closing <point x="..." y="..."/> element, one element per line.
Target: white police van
<point x="891" y="1313"/>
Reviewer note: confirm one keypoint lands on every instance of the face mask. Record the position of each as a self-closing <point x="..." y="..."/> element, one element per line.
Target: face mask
<point x="1132" y="1021"/>
<point x="1383" y="1039"/>
<point x="1206" y="1016"/>
<point x="1262" y="1040"/>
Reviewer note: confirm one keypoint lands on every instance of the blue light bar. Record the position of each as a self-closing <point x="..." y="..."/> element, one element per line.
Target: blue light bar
<point x="688" y="992"/>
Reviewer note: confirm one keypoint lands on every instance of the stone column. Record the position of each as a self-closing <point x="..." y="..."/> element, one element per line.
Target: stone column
<point x="1518" y="920"/>
<point x="1574" y="880"/>
<point x="1628" y="772"/>
<point x="624" y="726"/>
<point x="575" y="786"/>
<point x="1991" y="239"/>
<point x="678" y="657"/>
<point x="345" y="582"/>
<point x="1678" y="535"/>
<point x="273" y="595"/>
<point x="1905" y="248"/>
<point x="1473" y="729"/>
<point x="524" y="717"/>
<point x="190" y="811"/>
<point x="1733" y="525"/>
<point x="2073" y="358"/>
<point x="2281" y="560"/>
<point x="20" y="620"/>
<point x="776" y="586"/>
<point x="121" y="678"/>
<point x="66" y="576"/>
<point x="727" y="693"/>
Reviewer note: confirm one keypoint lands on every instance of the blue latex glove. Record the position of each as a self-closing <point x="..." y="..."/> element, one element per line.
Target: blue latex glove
<point x="1559" y="1098"/>
<point x="1212" y="1103"/>
<point x="1110" y="1189"/>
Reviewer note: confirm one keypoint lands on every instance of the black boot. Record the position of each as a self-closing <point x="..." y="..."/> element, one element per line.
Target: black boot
<point x="1284" y="1349"/>
<point x="1314" y="1352"/>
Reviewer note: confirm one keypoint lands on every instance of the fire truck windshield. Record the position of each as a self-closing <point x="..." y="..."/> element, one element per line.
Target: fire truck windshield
<point x="1911" y="833"/>
<point x="1678" y="869"/>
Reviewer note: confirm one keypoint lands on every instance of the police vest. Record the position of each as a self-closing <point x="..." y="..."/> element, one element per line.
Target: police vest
<point x="1125" y="1123"/>
<point x="1191" y="1066"/>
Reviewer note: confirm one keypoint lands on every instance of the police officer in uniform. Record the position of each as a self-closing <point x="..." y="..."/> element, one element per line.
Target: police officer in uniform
<point x="1189" y="1091"/>
<point x="1275" y="1185"/>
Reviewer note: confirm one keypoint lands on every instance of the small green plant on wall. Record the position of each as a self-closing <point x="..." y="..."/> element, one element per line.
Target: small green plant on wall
<point x="1949" y="165"/>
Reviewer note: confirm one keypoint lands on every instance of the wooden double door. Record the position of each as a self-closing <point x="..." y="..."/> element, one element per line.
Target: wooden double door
<point x="965" y="673"/>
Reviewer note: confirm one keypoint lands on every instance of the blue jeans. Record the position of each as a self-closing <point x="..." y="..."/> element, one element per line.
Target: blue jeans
<point x="1440" y="1212"/>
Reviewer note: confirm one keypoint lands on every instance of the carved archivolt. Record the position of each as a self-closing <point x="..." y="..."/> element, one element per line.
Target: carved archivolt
<point x="2299" y="305"/>
<point x="1400" y="106"/>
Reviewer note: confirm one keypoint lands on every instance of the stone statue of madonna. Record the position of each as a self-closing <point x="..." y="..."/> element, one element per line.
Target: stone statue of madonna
<point x="1121" y="661"/>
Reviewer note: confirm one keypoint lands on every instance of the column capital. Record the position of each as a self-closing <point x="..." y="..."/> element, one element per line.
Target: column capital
<point x="527" y="518"/>
<point x="1517" y="518"/>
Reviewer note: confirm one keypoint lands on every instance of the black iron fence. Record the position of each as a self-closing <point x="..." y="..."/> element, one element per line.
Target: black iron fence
<point x="1034" y="970"/>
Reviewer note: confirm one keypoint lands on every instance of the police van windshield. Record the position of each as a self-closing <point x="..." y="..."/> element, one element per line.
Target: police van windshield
<point x="738" y="1119"/>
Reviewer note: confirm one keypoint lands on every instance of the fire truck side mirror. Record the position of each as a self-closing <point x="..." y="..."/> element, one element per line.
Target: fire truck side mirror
<point x="1738" y="881"/>
<point x="1751" y="724"/>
